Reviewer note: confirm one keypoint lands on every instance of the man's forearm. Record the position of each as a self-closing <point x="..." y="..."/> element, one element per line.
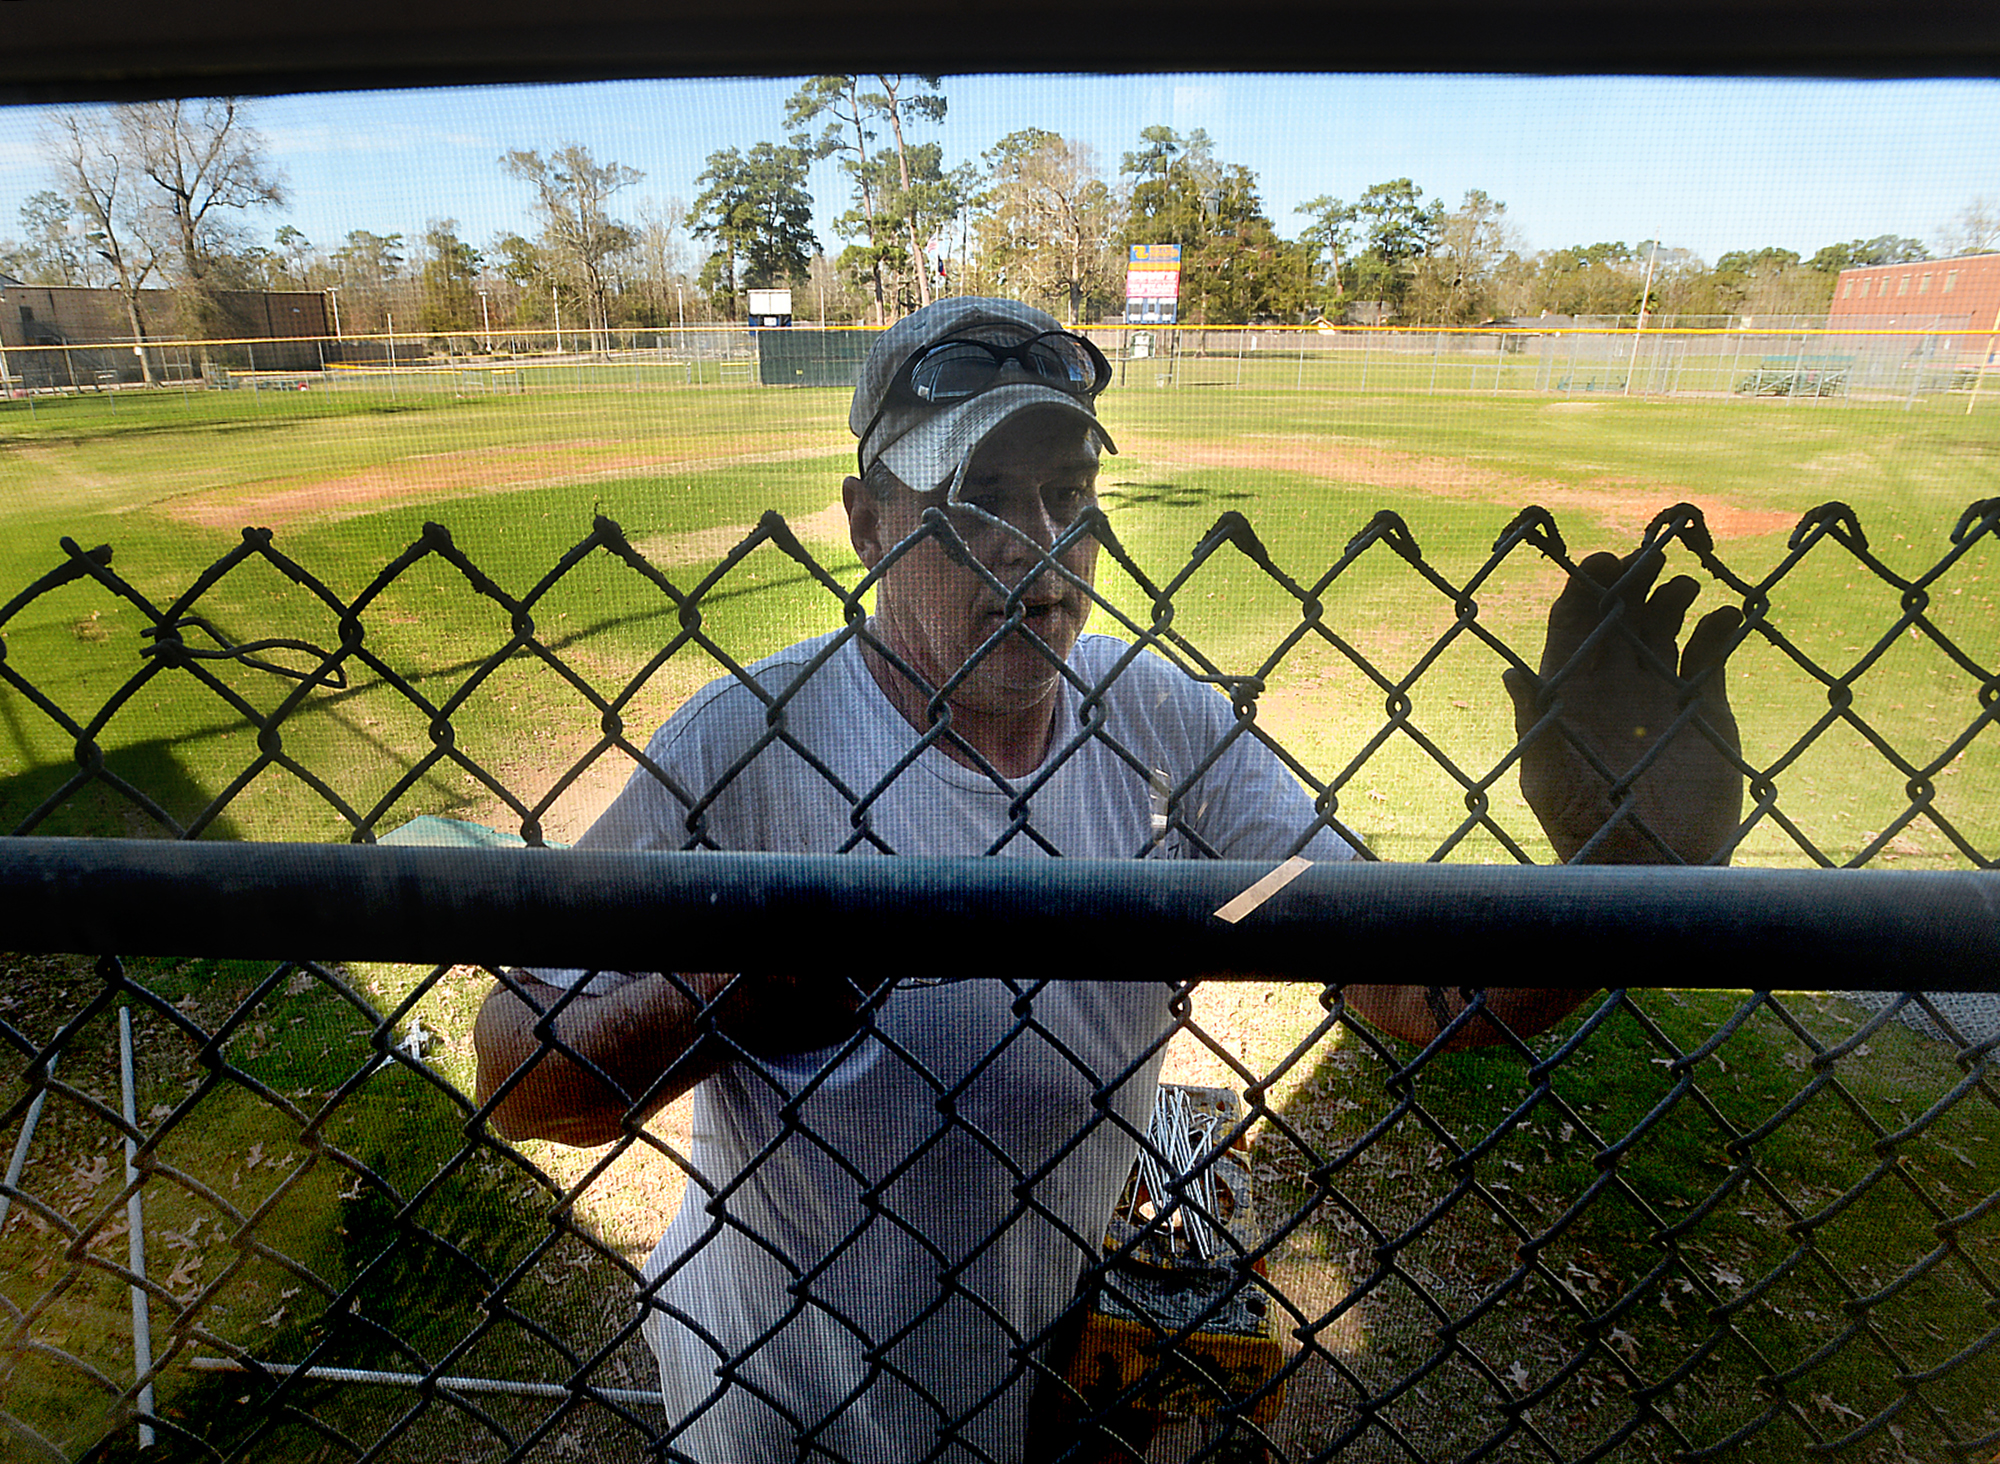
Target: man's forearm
<point x="1407" y="1012"/>
<point x="644" y="1041"/>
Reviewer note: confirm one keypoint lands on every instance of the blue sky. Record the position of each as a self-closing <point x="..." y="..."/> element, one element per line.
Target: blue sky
<point x="1707" y="165"/>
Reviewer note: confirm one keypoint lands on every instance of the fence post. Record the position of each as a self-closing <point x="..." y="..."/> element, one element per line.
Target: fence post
<point x="1437" y="345"/>
<point x="135" y="1224"/>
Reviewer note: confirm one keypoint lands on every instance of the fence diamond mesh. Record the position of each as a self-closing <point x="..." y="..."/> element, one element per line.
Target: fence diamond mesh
<point x="1689" y="1223"/>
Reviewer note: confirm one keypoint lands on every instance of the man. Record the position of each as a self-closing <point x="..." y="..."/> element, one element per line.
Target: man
<point x="890" y="1206"/>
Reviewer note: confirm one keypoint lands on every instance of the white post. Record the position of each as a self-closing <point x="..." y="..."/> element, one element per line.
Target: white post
<point x="1645" y="298"/>
<point x="333" y="294"/>
<point x="1979" y="381"/>
<point x="135" y="1221"/>
<point x="486" y="319"/>
<point x="20" y="1159"/>
<point x="556" y="299"/>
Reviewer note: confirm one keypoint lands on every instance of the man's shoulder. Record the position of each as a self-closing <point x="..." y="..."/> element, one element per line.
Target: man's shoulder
<point x="746" y="696"/>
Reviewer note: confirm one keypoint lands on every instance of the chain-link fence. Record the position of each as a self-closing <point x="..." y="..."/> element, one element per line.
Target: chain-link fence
<point x="1806" y="359"/>
<point x="1119" y="1207"/>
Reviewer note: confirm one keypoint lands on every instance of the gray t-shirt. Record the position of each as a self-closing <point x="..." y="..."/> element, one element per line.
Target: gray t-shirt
<point x="878" y="1238"/>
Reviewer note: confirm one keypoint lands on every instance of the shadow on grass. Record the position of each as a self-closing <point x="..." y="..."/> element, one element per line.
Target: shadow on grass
<point x="142" y="791"/>
<point x="1165" y="495"/>
<point x="1619" y="1234"/>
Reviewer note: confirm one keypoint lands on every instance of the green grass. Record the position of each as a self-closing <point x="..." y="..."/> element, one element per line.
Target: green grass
<point x="169" y="480"/>
<point x="1690" y="1218"/>
<point x="1309" y="470"/>
<point x="370" y="1192"/>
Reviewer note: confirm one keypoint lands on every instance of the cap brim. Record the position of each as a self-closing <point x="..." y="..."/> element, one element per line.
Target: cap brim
<point x="926" y="456"/>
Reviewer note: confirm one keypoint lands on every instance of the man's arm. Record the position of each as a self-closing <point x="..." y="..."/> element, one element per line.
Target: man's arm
<point x="1412" y="1012"/>
<point x="651" y="1039"/>
<point x="1616" y="701"/>
<point x="633" y="1036"/>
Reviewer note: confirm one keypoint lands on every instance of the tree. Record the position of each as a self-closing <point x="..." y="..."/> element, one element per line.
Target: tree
<point x="1452" y="280"/>
<point x="90" y="168"/>
<point x="1332" y="229"/>
<point x="297" y="251"/>
<point x="207" y="166"/>
<point x="1170" y="176"/>
<point x="54" y="250"/>
<point x="1397" y="229"/>
<point x="890" y="105"/>
<point x="662" y="253"/>
<point x="1976" y="229"/>
<point x="1861" y="253"/>
<point x="449" y="278"/>
<point x="756" y="209"/>
<point x="367" y="266"/>
<point x="572" y="196"/>
<point x="1769" y="281"/>
<point x="1396" y="222"/>
<point x="1233" y="265"/>
<point x="839" y="97"/>
<point x="902" y="208"/>
<point x="1587" y="279"/>
<point x="1048" y="219"/>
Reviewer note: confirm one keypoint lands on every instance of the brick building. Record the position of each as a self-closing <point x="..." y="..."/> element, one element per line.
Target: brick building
<point x="1933" y="294"/>
<point x="84" y="335"/>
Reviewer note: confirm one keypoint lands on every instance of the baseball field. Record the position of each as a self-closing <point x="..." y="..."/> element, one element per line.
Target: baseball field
<point x="346" y="480"/>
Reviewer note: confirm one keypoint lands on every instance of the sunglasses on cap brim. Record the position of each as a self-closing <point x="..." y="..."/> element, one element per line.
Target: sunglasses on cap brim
<point x="956" y="370"/>
<point x="947" y="373"/>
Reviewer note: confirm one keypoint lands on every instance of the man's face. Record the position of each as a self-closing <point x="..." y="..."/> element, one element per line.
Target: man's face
<point x="1036" y="474"/>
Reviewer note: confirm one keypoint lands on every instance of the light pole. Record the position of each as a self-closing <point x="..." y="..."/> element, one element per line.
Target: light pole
<point x="486" y="320"/>
<point x="1645" y="299"/>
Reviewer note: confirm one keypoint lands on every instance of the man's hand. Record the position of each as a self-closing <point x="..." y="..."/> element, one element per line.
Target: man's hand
<point x="1619" y="704"/>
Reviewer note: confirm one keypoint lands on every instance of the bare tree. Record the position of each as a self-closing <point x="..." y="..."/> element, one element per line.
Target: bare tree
<point x="83" y="151"/>
<point x="1048" y="218"/>
<point x="207" y="165"/>
<point x="664" y="260"/>
<point x="1453" y="278"/>
<point x="573" y="197"/>
<point x="1976" y="229"/>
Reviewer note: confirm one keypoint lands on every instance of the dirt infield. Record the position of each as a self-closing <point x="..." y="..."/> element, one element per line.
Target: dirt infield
<point x="449" y="474"/>
<point x="1624" y="505"/>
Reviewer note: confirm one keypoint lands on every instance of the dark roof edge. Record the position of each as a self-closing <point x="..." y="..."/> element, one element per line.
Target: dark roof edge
<point x="119" y="50"/>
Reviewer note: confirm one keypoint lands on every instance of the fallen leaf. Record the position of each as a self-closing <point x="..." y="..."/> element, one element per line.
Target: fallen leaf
<point x="273" y="1319"/>
<point x="1518" y="1375"/>
<point x="1626" y="1343"/>
<point x="91" y="1178"/>
<point x="1726" y="1276"/>
<point x="1826" y="1404"/>
<point x="108" y="1234"/>
<point x="187" y="1273"/>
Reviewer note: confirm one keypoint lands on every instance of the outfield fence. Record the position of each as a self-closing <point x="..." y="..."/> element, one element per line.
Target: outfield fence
<point x="1809" y="359"/>
<point x="1745" y="1205"/>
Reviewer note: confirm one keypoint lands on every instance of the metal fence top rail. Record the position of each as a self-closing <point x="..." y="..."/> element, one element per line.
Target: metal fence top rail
<point x="1118" y="920"/>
